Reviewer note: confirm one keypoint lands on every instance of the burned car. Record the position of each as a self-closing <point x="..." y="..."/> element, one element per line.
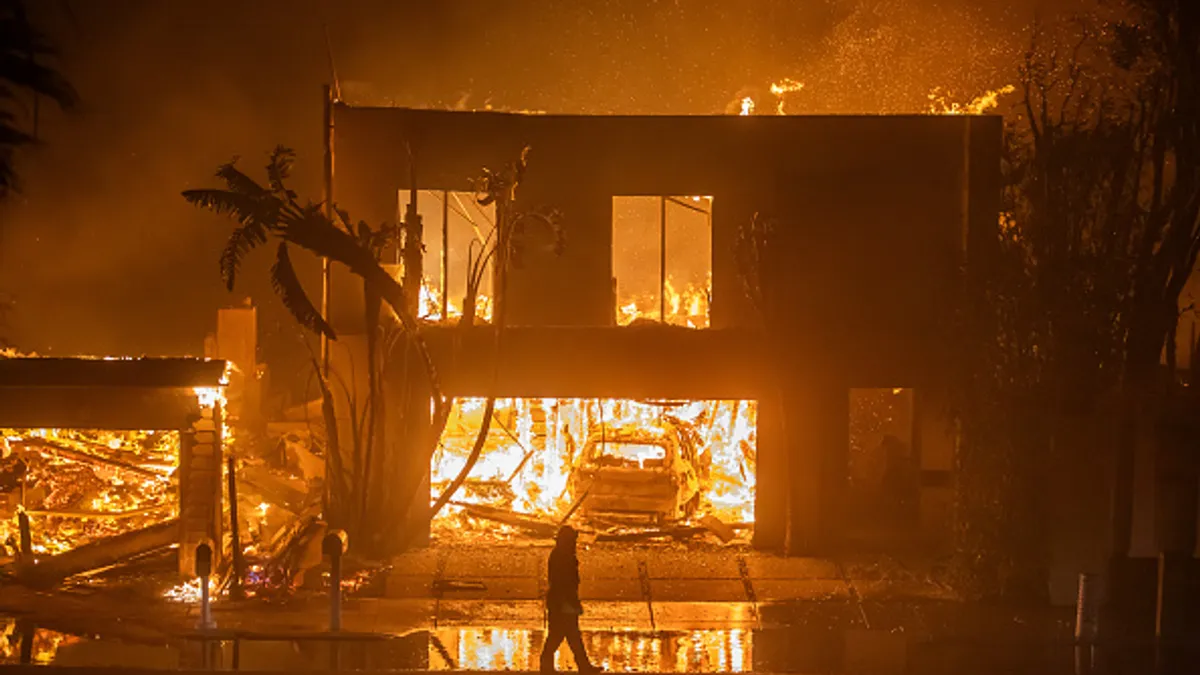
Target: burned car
<point x="638" y="473"/>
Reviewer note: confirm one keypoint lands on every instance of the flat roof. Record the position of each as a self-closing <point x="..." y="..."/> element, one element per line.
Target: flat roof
<point x="148" y="372"/>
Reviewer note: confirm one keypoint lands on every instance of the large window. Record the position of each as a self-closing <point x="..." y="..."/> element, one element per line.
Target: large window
<point x="662" y="259"/>
<point x="455" y="227"/>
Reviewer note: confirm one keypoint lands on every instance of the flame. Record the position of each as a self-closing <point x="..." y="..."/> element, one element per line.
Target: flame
<point x="686" y="306"/>
<point x="747" y="106"/>
<point x="533" y="444"/>
<point x="939" y="105"/>
<point x="79" y="501"/>
<point x="430" y="305"/>
<point x="781" y="88"/>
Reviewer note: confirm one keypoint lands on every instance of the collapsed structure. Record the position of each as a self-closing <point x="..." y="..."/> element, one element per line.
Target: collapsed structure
<point x="112" y="459"/>
<point x="875" y="218"/>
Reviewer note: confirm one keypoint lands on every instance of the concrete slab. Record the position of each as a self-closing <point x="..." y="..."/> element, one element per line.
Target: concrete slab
<point x="875" y="568"/>
<point x="608" y="564"/>
<point x="811" y="615"/>
<point x="669" y="616"/>
<point x="772" y="590"/>
<point x="419" y="561"/>
<point x="615" y="616"/>
<point x="524" y="613"/>
<point x="497" y="588"/>
<point x="697" y="590"/>
<point x="479" y="564"/>
<point x="406" y="586"/>
<point x="629" y="589"/>
<point x="762" y="566"/>
<point x="693" y="565"/>
<point x="901" y="590"/>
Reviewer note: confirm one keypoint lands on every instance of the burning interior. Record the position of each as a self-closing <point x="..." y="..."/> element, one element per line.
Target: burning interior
<point x="617" y="468"/>
<point x="84" y="485"/>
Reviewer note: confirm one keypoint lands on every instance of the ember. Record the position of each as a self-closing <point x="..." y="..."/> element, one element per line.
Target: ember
<point x="616" y="463"/>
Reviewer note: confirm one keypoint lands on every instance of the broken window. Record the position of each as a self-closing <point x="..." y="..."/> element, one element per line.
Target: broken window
<point x="455" y="227"/>
<point x="662" y="259"/>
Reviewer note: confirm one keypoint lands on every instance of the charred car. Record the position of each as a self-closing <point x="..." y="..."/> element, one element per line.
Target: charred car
<point x="635" y="473"/>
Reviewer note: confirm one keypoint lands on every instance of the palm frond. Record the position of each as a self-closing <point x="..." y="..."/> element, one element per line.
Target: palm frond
<point x="285" y="283"/>
<point x="239" y="182"/>
<point x="246" y="209"/>
<point x="241" y="242"/>
<point x="279" y="169"/>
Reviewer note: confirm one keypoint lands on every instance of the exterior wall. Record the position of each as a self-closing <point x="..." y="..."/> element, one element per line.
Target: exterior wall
<point x="876" y="217"/>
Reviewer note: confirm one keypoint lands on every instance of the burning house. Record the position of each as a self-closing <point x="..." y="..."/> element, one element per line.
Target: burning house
<point x="633" y="377"/>
<point x="106" y="460"/>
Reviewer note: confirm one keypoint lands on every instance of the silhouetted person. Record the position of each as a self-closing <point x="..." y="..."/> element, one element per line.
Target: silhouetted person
<point x="562" y="603"/>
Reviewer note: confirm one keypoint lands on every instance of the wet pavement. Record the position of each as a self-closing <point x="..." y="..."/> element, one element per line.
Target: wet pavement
<point x="646" y="610"/>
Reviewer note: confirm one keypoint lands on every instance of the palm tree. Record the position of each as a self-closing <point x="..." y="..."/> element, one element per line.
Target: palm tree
<point x="24" y="72"/>
<point x="271" y="211"/>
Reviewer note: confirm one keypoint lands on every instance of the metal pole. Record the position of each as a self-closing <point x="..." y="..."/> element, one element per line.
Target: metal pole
<point x="662" y="260"/>
<point x="205" y="607"/>
<point x="25" y="534"/>
<point x="446" y="255"/>
<point x="235" y="588"/>
<point x="327" y="202"/>
<point x="334" y="545"/>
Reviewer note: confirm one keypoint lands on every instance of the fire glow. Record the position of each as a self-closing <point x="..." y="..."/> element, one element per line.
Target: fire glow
<point x="538" y="453"/>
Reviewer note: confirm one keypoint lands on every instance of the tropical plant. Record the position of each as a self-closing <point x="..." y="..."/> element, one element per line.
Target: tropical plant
<point x="273" y="211"/>
<point x="25" y="73"/>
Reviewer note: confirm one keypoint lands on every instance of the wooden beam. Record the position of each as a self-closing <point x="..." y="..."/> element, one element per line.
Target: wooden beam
<point x="147" y="372"/>
<point x="116" y="408"/>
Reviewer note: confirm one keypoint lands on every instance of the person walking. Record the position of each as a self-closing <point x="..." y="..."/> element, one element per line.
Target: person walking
<point x="562" y="603"/>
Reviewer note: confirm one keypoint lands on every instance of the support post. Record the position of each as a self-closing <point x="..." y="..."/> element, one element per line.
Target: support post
<point x="26" y="535"/>
<point x="662" y="259"/>
<point x="445" y="255"/>
<point x="239" y="568"/>
<point x="327" y="206"/>
<point x="414" y="235"/>
<point x="334" y="546"/>
<point x="204" y="555"/>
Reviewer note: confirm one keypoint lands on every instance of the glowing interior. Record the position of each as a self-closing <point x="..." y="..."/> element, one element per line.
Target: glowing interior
<point x="538" y="452"/>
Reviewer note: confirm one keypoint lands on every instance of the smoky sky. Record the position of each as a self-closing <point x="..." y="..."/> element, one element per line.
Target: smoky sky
<point x="102" y="256"/>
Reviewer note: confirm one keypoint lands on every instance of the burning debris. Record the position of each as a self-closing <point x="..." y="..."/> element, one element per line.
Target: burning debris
<point x="80" y="486"/>
<point x="624" y="469"/>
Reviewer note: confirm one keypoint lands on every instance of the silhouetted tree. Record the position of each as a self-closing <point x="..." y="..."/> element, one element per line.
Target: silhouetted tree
<point x="273" y="211"/>
<point x="25" y="75"/>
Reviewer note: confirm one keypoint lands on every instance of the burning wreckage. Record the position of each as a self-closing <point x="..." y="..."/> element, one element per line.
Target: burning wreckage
<point x="114" y="470"/>
<point x="624" y="470"/>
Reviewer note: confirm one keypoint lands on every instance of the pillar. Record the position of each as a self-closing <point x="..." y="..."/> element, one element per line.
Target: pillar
<point x="200" y="505"/>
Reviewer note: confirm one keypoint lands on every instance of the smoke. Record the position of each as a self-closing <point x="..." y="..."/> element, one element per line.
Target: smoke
<point x="101" y="255"/>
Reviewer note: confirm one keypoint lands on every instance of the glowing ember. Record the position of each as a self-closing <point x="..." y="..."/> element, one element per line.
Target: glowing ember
<point x="684" y="307"/>
<point x="782" y="88"/>
<point x="188" y="592"/>
<point x="83" y="485"/>
<point x="431" y="305"/>
<point x="538" y="451"/>
<point x="938" y="105"/>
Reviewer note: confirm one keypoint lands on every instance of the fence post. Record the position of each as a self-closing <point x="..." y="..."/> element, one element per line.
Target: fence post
<point x="239" y="565"/>
<point x="334" y="546"/>
<point x="26" y="536"/>
<point x="204" y="555"/>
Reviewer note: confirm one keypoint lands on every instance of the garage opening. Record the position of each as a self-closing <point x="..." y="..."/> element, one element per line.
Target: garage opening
<point x="616" y="469"/>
